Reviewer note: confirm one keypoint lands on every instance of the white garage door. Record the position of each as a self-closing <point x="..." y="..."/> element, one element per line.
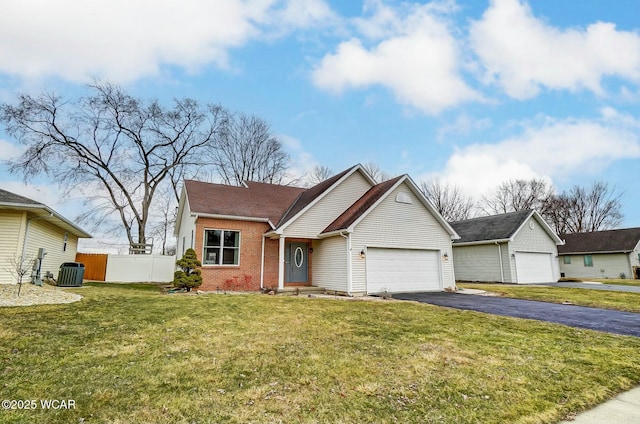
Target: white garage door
<point x="534" y="267"/>
<point x="402" y="270"/>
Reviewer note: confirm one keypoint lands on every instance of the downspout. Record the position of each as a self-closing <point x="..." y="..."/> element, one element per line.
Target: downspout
<point x="349" y="265"/>
<point x="26" y="231"/>
<point x="501" y="265"/>
<point x="262" y="265"/>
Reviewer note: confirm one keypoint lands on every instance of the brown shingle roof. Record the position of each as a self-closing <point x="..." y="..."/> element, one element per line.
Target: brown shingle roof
<point x="257" y="200"/>
<point x="311" y="194"/>
<point x="624" y="240"/>
<point x="348" y="217"/>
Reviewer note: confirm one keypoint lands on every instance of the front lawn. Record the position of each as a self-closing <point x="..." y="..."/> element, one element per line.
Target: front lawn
<point x="128" y="354"/>
<point x="606" y="299"/>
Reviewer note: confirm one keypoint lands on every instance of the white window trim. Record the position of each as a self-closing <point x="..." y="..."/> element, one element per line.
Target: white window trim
<point x="204" y="238"/>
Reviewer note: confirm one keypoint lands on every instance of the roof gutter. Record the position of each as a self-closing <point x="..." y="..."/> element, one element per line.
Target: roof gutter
<point x="26" y="232"/>
<point x="52" y="214"/>
<point x="475" y="243"/>
<point x="233" y="218"/>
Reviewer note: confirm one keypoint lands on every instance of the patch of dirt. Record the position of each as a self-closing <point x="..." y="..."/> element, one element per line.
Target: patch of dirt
<point x="31" y="294"/>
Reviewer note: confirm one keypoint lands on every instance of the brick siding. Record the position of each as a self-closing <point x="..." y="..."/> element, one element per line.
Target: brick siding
<point x="245" y="276"/>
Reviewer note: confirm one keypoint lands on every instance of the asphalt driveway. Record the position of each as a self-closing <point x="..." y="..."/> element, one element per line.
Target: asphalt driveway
<point x="617" y="322"/>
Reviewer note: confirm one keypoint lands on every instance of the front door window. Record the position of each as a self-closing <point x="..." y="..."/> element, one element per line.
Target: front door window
<point x="296" y="262"/>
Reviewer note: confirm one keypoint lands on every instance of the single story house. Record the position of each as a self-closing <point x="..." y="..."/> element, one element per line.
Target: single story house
<point x="517" y="247"/>
<point x="601" y="254"/>
<point x="346" y="234"/>
<point x="28" y="226"/>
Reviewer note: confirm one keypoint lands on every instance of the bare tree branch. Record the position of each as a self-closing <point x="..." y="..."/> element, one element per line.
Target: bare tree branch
<point x="449" y="200"/>
<point x="318" y="174"/>
<point x="247" y="151"/>
<point x="518" y="195"/>
<point x="111" y="145"/>
<point x="375" y="172"/>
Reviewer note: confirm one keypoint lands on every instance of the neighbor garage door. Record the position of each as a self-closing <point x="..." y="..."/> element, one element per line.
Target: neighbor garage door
<point x="402" y="270"/>
<point x="534" y="267"/>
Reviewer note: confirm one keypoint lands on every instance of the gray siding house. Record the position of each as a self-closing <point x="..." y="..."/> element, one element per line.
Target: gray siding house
<point x="601" y="254"/>
<point x="517" y="247"/>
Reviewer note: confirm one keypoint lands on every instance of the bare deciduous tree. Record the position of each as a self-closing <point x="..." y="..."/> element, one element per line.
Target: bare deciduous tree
<point x="18" y="267"/>
<point x="247" y="151"/>
<point x="318" y="174"/>
<point x="375" y="172"/>
<point x="596" y="208"/>
<point x="164" y="217"/>
<point x="518" y="195"/>
<point x="449" y="200"/>
<point x="111" y="144"/>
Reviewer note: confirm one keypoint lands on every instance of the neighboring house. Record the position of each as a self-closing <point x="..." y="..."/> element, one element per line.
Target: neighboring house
<point x="517" y="247"/>
<point x="601" y="254"/>
<point x="346" y="234"/>
<point x="27" y="226"/>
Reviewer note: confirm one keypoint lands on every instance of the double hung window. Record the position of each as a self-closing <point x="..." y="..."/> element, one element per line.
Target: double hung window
<point x="221" y="247"/>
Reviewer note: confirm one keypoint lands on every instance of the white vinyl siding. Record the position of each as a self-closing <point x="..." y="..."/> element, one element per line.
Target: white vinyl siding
<point x="12" y="231"/>
<point x="329" y="268"/>
<point x="43" y="234"/>
<point x="402" y="270"/>
<point x="481" y="263"/>
<point x="316" y="219"/>
<point x="605" y="265"/>
<point x="535" y="240"/>
<point x="186" y="232"/>
<point x="404" y="226"/>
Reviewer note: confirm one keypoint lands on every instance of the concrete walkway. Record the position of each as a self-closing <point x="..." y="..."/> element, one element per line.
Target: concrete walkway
<point x="595" y="286"/>
<point x="624" y="408"/>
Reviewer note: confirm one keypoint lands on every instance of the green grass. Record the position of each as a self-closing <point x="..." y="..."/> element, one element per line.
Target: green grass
<point x="129" y="354"/>
<point x="605" y="299"/>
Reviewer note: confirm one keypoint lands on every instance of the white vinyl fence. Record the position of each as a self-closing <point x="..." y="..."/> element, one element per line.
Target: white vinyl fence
<point x="140" y="268"/>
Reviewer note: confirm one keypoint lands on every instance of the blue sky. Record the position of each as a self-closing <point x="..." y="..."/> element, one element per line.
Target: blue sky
<point x="472" y="92"/>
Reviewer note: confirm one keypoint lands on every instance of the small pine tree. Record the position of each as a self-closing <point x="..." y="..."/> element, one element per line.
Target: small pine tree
<point x="189" y="276"/>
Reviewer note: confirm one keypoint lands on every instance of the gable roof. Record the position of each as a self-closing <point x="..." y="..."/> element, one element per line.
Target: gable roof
<point x="502" y="227"/>
<point x="374" y="196"/>
<point x="355" y="211"/>
<point x="260" y="201"/>
<point x="9" y="200"/>
<point x="611" y="241"/>
<point x="309" y="196"/>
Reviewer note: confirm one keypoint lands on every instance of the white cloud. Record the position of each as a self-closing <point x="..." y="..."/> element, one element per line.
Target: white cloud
<point x="9" y="150"/>
<point x="463" y="126"/>
<point x="548" y="149"/>
<point x="124" y="40"/>
<point x="523" y="53"/>
<point x="414" y="54"/>
<point x="304" y="14"/>
<point x="302" y="161"/>
<point x="42" y="193"/>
